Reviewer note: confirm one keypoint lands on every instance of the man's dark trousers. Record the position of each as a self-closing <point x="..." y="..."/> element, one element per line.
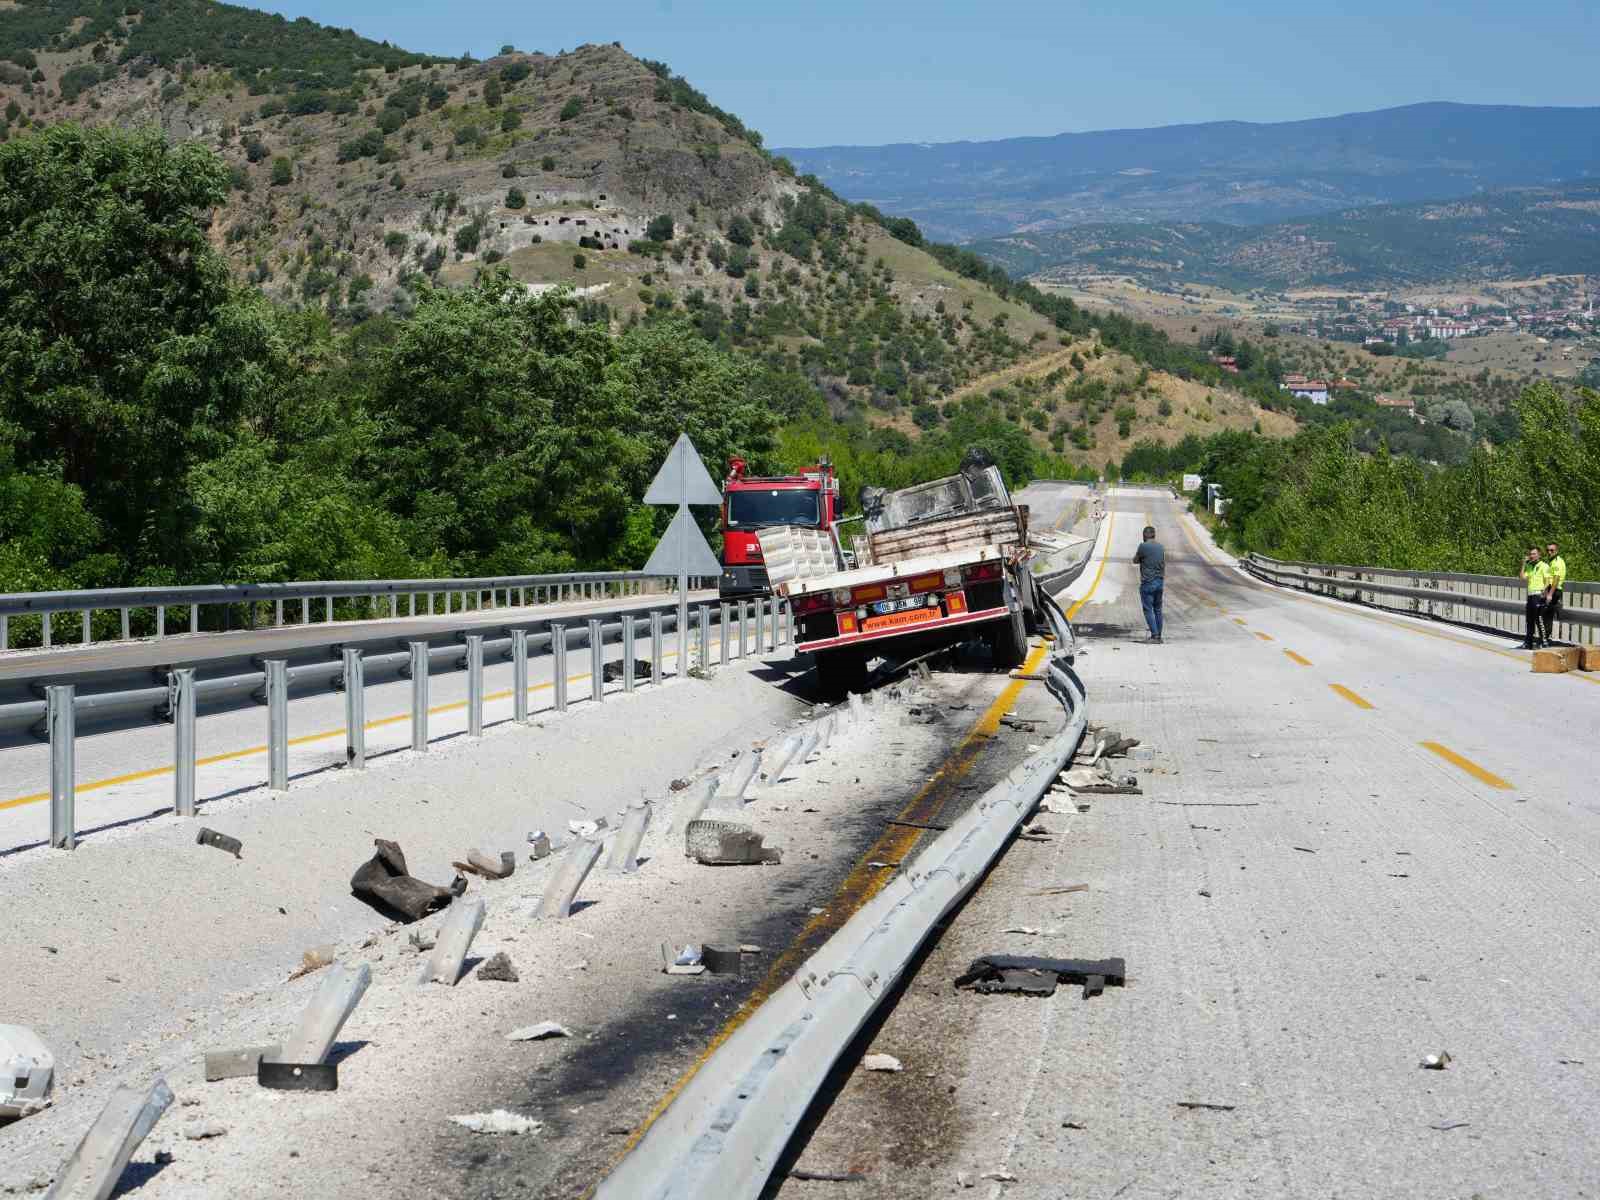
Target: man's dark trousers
<point x="1552" y="612"/>
<point x="1150" y="598"/>
<point x="1535" y="609"/>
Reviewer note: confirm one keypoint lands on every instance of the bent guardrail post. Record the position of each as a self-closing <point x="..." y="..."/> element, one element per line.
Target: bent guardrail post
<point x="97" y="1164"/>
<point x="181" y="683"/>
<point x="419" y="695"/>
<point x="625" y="846"/>
<point x="341" y="990"/>
<point x="558" y="653"/>
<point x="627" y="652"/>
<point x="277" y="724"/>
<point x="519" y="676"/>
<point x="475" y="685"/>
<point x="61" y="722"/>
<point x="461" y="924"/>
<point x="355" y="711"/>
<point x="597" y="662"/>
<point x="576" y="862"/>
<point x="657" y="644"/>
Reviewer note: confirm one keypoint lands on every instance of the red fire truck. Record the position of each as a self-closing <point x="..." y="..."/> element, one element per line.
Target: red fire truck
<point x="808" y="500"/>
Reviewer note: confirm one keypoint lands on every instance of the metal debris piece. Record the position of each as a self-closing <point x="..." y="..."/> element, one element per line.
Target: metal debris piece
<point x="586" y="829"/>
<point x="721" y="959"/>
<point x="422" y="942"/>
<point x="1061" y="891"/>
<point x="98" y="1162"/>
<point x="827" y="1176"/>
<point x="881" y="1062"/>
<point x="684" y="960"/>
<point x="384" y="882"/>
<point x="539" y="1032"/>
<point x="1435" y="1062"/>
<point x="479" y="863"/>
<point x="199" y="1131"/>
<point x="498" y="969"/>
<point x="994" y="973"/>
<point x="210" y="837"/>
<point x="613" y="671"/>
<point x="27" y="1072"/>
<point x="298" y="1077"/>
<point x="723" y="843"/>
<point x="1193" y="1104"/>
<point x="540" y="841"/>
<point x="1447" y="1126"/>
<point x="236" y="1064"/>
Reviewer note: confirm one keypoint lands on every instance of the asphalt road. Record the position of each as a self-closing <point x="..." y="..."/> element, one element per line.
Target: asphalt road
<point x="1363" y="839"/>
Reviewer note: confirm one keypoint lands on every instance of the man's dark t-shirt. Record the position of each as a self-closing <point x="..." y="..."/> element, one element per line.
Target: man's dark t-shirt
<point x="1152" y="560"/>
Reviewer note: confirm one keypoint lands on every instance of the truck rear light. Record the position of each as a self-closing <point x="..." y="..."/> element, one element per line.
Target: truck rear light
<point x="841" y="597"/>
<point x="926" y="583"/>
<point x="868" y="593"/>
<point x="847" y="622"/>
<point x="956" y="602"/>
<point x="952" y="577"/>
<point x="983" y="571"/>
<point x="811" y="602"/>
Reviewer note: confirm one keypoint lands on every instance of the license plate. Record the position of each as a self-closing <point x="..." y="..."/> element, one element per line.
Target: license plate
<point x="912" y="616"/>
<point x="883" y="607"/>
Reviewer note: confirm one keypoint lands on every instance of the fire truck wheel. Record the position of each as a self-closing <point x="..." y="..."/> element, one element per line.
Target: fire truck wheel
<point x="839" y="672"/>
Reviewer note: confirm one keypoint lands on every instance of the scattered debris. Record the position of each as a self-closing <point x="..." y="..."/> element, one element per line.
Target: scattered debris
<point x="498" y="969"/>
<point x="1435" y="1062"/>
<point x="995" y="973"/>
<point x="313" y="959"/>
<point x="210" y="837"/>
<point x="1029" y="930"/>
<point x="1447" y="1126"/>
<point x="586" y="829"/>
<point x="1073" y="1125"/>
<point x="722" y="843"/>
<point x="1206" y="893"/>
<point x="27" y="1072"/>
<point x="98" y="1161"/>
<point x="612" y="672"/>
<point x="1113" y="789"/>
<point x="685" y="960"/>
<point x="881" y="1062"/>
<point x="1570" y="1062"/>
<point x="384" y="882"/>
<point x="828" y="1176"/>
<point x="1000" y="1176"/>
<point x="721" y="959"/>
<point x="540" y="841"/>
<point x="539" y="1032"/>
<point x="1305" y="849"/>
<point x="237" y="1064"/>
<point x="1020" y="724"/>
<point x="1193" y="1104"/>
<point x="499" y="1121"/>
<point x="1255" y="754"/>
<point x="1211" y="803"/>
<point x="479" y="863"/>
<point x="199" y="1131"/>
<point x="422" y="942"/>
<point x="908" y="824"/>
<point x="1061" y="891"/>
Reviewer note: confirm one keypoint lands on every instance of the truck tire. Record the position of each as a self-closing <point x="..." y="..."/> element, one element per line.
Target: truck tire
<point x="840" y="672"/>
<point x="1008" y="641"/>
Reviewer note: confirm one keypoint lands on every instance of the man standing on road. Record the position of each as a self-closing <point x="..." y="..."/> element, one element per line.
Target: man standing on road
<point x="1552" y="596"/>
<point x="1536" y="573"/>
<point x="1152" y="560"/>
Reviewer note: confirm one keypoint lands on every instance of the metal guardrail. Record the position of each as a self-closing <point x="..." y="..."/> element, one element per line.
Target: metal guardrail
<point x="58" y="714"/>
<point x="725" y="1131"/>
<point x="1495" y="602"/>
<point x="146" y="607"/>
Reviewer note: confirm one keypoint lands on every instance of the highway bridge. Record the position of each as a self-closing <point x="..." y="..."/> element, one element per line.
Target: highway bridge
<point x="1356" y="841"/>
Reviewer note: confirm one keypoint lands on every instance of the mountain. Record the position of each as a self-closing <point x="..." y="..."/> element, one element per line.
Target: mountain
<point x="1230" y="172"/>
<point x="360" y="170"/>
<point x="1512" y="234"/>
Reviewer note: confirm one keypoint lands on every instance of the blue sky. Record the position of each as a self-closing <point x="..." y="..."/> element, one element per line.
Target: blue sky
<point x="870" y="71"/>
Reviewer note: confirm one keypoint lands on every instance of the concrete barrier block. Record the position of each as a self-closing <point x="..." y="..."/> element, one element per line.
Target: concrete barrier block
<point x="1550" y="662"/>
<point x="1589" y="658"/>
<point x="694" y="802"/>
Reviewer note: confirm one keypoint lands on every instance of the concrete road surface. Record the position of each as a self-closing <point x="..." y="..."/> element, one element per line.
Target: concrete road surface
<point x="1363" y="839"/>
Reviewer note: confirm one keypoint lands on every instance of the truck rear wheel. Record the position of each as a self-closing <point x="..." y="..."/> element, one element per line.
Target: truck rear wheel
<point x="1008" y="641"/>
<point x="840" y="672"/>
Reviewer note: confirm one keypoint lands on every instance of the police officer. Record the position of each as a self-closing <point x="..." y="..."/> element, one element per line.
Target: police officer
<point x="1536" y="573"/>
<point x="1558" y="580"/>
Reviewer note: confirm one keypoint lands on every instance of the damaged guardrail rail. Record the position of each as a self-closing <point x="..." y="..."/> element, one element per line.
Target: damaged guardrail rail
<point x="176" y="699"/>
<point x="725" y="1131"/>
<point x="1492" y="601"/>
<point x="120" y="609"/>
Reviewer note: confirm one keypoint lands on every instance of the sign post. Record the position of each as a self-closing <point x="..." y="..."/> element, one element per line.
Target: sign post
<point x="682" y="550"/>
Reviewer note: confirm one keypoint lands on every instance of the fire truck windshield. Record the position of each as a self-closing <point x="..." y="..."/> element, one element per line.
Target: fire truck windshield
<point x="756" y="508"/>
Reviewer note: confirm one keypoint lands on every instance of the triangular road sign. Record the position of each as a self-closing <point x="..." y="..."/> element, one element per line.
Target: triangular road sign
<point x="682" y="550"/>
<point x="683" y="479"/>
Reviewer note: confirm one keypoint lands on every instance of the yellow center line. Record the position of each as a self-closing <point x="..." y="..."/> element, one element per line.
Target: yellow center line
<point x="1111" y="519"/>
<point x="1354" y="697"/>
<point x="1467" y="765"/>
<point x="1299" y="658"/>
<point x="864" y="881"/>
<point x="1265" y="637"/>
<point x="303" y="739"/>
<point x="1240" y="621"/>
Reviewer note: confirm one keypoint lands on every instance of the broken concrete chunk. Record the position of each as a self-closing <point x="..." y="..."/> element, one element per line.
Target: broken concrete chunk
<point x="1435" y="1062"/>
<point x="722" y="843"/>
<point x="539" y="1032"/>
<point x="237" y="1064"/>
<point x="199" y="1131"/>
<point x="384" y="882"/>
<point x="210" y="837"/>
<point x="881" y="1062"/>
<point x="27" y="1072"/>
<point x="498" y="1121"/>
<point x="498" y="969"/>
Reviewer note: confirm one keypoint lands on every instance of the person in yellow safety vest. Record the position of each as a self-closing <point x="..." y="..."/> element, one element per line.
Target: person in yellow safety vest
<point x="1536" y="573"/>
<point x="1552" y="597"/>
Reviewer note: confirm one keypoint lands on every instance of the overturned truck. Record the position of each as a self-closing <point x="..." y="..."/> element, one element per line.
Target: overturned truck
<point x="940" y="563"/>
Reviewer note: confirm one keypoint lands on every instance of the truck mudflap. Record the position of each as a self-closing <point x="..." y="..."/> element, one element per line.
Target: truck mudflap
<point x="893" y="628"/>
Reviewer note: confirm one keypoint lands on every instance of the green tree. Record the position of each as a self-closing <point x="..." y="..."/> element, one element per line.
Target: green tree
<point x="282" y="172"/>
<point x="492" y="92"/>
<point x="660" y="229"/>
